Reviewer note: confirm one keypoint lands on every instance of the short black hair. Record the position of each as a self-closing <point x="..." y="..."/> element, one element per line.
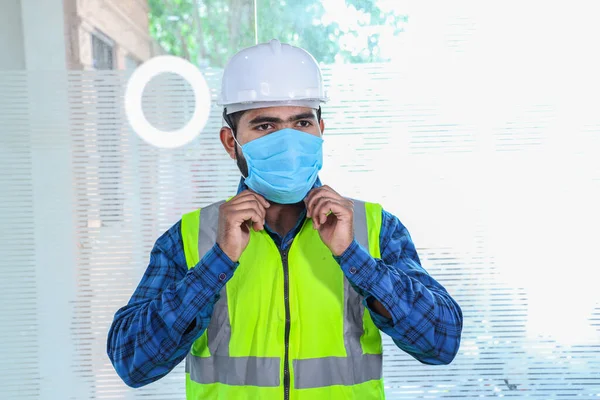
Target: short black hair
<point x="233" y="119"/>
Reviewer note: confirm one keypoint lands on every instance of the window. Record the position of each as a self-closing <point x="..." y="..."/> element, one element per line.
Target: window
<point x="102" y="52"/>
<point x="106" y="137"/>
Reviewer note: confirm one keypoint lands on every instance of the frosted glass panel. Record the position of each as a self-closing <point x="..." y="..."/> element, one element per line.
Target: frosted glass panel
<point x="477" y="126"/>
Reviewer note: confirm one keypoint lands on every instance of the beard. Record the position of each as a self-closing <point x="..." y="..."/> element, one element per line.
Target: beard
<point x="241" y="163"/>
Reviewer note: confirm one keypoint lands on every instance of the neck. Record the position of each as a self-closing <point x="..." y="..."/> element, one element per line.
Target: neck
<point x="283" y="217"/>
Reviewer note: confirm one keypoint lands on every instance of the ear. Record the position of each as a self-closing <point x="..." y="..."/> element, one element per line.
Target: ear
<point x="322" y="126"/>
<point x="229" y="144"/>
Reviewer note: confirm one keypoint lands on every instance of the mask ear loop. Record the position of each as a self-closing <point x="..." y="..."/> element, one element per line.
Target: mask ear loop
<point x="227" y="119"/>
<point x="238" y="143"/>
<point x="319" y="121"/>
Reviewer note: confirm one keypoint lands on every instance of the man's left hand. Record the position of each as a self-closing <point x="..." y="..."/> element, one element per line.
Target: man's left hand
<point x="332" y="215"/>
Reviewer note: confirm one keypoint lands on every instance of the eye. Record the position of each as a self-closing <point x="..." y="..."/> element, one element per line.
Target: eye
<point x="304" y="123"/>
<point x="263" y="127"/>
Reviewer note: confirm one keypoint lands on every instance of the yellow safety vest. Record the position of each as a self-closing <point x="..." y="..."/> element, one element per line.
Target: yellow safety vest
<point x="288" y="324"/>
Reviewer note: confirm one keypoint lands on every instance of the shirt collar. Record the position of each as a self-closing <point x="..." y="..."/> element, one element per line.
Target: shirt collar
<point x="285" y="242"/>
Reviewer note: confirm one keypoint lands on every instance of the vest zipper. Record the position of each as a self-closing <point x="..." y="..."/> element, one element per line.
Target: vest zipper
<point x="286" y="298"/>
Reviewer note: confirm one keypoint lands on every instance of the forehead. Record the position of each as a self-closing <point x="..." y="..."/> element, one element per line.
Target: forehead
<point x="283" y="113"/>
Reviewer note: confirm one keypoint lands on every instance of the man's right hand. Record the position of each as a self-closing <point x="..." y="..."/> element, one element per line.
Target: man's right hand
<point x="237" y="216"/>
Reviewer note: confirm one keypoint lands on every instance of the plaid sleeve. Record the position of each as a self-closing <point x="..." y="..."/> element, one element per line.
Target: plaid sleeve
<point x="426" y="322"/>
<point x="170" y="308"/>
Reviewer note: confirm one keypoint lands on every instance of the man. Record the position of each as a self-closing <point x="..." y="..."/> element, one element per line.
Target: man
<point x="280" y="292"/>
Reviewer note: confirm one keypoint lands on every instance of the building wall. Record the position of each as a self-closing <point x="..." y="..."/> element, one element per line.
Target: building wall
<point x="12" y="56"/>
<point x="123" y="21"/>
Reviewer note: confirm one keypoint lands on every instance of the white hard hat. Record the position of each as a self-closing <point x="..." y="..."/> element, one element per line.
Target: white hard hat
<point x="271" y="74"/>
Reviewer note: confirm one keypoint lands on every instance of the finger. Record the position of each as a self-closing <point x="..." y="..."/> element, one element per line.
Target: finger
<point x="250" y="202"/>
<point x="308" y="198"/>
<point x="316" y="197"/>
<point x="329" y="189"/>
<point x="341" y="209"/>
<point x="242" y="195"/>
<point x="319" y="198"/>
<point x="322" y="189"/>
<point x="250" y="194"/>
<point x="261" y="199"/>
<point x="326" y="207"/>
<point x="249" y="214"/>
<point x="312" y="193"/>
<point x="314" y="202"/>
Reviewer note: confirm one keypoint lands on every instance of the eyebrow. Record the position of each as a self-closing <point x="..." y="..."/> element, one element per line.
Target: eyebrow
<point x="262" y="119"/>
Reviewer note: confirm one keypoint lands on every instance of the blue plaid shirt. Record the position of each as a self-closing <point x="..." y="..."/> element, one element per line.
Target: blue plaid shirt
<point x="172" y="306"/>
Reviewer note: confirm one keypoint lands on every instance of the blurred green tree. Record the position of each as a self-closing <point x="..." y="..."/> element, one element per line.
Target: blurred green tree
<point x="208" y="32"/>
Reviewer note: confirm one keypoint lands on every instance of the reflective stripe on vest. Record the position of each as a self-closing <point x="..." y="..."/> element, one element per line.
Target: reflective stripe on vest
<point x="327" y="371"/>
<point x="219" y="367"/>
<point x="257" y="371"/>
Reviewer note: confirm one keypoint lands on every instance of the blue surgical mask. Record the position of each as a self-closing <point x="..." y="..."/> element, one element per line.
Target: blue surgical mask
<point x="283" y="165"/>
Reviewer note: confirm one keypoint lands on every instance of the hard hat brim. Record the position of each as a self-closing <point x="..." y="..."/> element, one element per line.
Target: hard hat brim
<point x="233" y="108"/>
